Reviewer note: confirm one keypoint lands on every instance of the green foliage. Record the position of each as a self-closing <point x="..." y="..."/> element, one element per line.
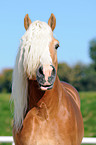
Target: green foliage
<point x="81" y="76"/>
<point x="88" y="82"/>
<point x="64" y="72"/>
<point x="6" y="80"/>
<point x="77" y="75"/>
<point x="92" y="51"/>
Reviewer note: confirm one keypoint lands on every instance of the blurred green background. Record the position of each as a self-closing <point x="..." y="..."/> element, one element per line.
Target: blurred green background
<point x="81" y="76"/>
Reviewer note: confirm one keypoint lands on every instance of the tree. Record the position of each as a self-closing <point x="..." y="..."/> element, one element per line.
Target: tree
<point x="88" y="82"/>
<point x="81" y="76"/>
<point x="92" y="51"/>
<point x="1" y="82"/>
<point x="64" y="72"/>
<point x="76" y="75"/>
<point x="6" y="80"/>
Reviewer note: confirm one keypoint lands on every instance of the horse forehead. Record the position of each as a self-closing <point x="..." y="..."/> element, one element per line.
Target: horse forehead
<point x="40" y="27"/>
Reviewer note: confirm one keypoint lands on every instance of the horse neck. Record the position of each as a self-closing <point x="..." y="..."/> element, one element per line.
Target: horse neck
<point x="34" y="93"/>
<point x="49" y="98"/>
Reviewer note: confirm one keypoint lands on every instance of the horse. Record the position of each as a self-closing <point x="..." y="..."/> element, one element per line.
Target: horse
<point x="46" y="110"/>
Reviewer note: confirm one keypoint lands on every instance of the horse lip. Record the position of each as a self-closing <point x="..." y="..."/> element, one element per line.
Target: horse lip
<point x="46" y="87"/>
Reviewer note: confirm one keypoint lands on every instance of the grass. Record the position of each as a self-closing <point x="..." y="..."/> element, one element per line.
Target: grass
<point x="88" y="109"/>
<point x="5" y="115"/>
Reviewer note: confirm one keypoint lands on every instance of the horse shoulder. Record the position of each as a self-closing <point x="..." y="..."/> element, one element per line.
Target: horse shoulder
<point x="72" y="92"/>
<point x="70" y="114"/>
<point x="25" y="135"/>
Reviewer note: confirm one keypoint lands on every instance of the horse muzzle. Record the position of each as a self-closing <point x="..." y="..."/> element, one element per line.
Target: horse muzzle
<point x="45" y="76"/>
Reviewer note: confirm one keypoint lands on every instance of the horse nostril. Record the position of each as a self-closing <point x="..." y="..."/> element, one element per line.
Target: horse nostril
<point x="40" y="75"/>
<point x="53" y="71"/>
<point x="41" y="70"/>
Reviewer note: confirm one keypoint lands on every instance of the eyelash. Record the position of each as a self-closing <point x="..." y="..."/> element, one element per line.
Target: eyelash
<point x="56" y="46"/>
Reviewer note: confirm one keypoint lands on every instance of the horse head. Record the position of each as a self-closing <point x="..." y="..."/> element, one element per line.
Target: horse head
<point x="36" y="60"/>
<point x="39" y="51"/>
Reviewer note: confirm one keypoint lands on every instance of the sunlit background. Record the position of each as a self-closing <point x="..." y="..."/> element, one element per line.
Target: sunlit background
<point x="76" y="32"/>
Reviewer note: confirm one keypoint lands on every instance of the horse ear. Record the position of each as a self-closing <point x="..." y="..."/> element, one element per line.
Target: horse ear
<point x="52" y="21"/>
<point x="27" y="21"/>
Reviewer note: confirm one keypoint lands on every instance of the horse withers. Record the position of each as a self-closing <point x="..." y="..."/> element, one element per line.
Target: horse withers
<point x="46" y="111"/>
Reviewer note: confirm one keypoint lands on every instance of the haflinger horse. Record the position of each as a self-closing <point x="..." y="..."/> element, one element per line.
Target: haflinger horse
<point x="46" y="111"/>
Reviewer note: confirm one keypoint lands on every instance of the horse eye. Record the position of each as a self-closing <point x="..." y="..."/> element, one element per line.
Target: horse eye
<point x="56" y="46"/>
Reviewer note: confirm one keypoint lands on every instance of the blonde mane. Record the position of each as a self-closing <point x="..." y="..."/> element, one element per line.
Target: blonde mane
<point x="33" y="51"/>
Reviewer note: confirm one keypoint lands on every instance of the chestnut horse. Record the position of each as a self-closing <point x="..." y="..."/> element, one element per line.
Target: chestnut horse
<point x="46" y="111"/>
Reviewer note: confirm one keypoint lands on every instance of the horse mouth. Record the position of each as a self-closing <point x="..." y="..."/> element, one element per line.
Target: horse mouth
<point x="45" y="83"/>
<point x="46" y="87"/>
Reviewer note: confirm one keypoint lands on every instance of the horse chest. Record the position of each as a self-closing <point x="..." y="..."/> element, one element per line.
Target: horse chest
<point x="39" y="132"/>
